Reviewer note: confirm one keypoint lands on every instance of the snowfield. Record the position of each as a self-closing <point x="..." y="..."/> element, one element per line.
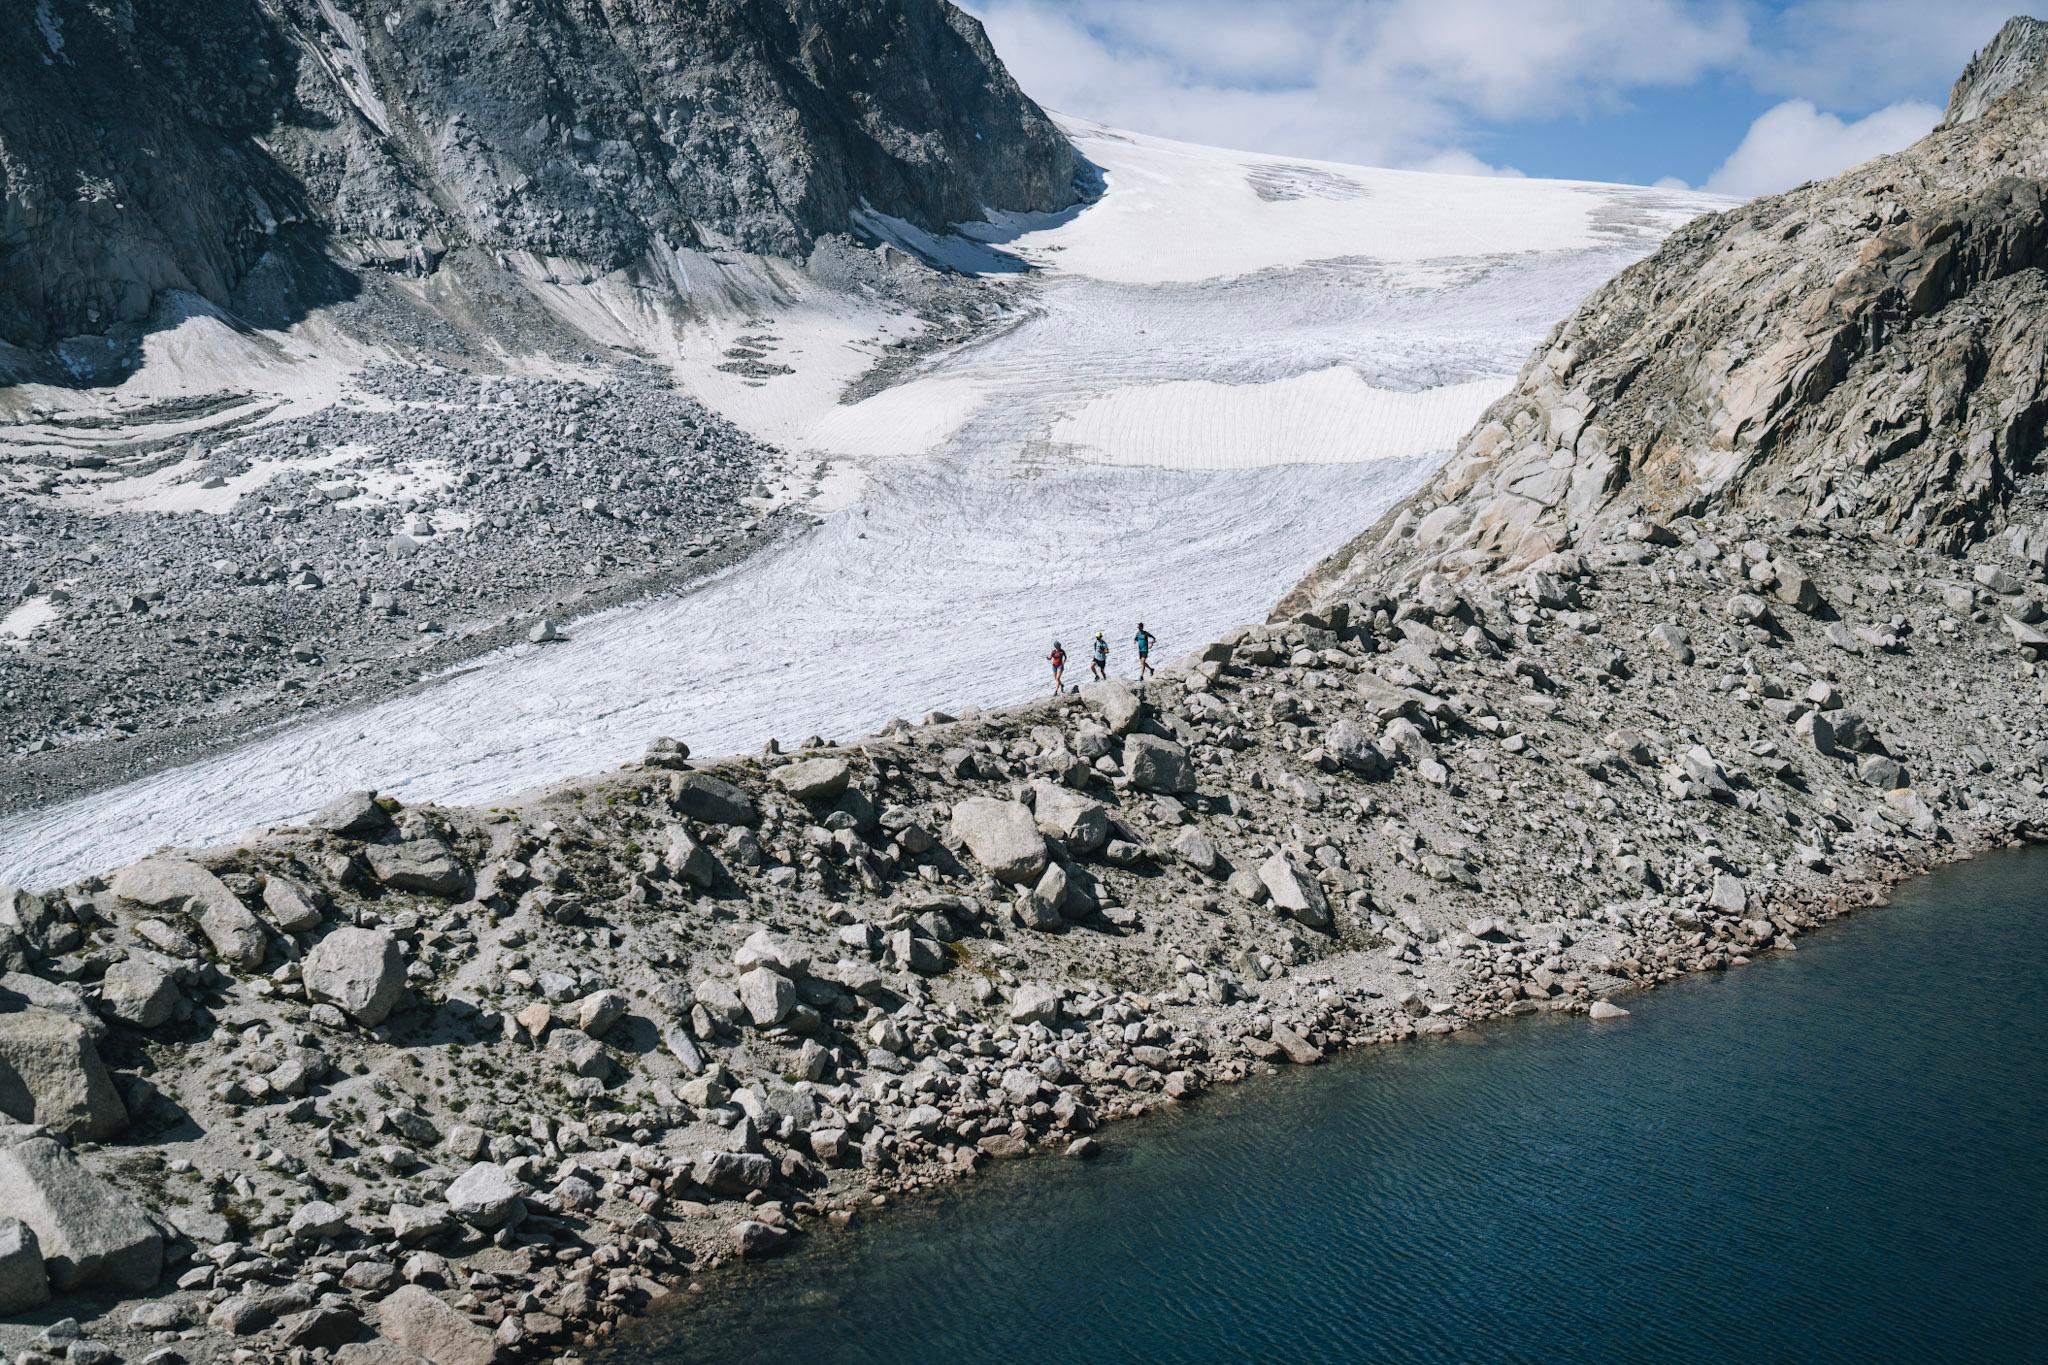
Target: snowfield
<point x="1228" y="364"/>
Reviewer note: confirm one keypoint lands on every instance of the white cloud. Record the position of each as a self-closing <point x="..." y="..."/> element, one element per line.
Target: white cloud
<point x="1431" y="82"/>
<point x="1457" y="161"/>
<point x="1858" y="55"/>
<point x="1795" y="142"/>
<point x="1515" y="58"/>
<point x="1395" y="82"/>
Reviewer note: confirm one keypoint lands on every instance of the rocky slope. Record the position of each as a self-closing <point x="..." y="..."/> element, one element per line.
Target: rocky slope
<point x="1858" y="350"/>
<point x="259" y="154"/>
<point x="202" y="586"/>
<point x="464" y="1084"/>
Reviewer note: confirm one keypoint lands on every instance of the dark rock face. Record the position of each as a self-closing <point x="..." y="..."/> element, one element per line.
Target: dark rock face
<point x="1865" y="349"/>
<point x="170" y="144"/>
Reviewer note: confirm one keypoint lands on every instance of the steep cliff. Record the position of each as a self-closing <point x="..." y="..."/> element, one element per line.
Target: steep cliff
<point x="169" y="144"/>
<point x="1862" y="349"/>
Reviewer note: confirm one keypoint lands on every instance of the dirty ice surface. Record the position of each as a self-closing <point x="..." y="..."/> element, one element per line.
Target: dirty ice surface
<point x="1227" y="366"/>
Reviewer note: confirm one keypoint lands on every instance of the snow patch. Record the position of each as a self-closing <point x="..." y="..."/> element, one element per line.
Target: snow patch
<point x="27" y="617"/>
<point x="1325" y="417"/>
<point x="908" y="419"/>
<point x="186" y="487"/>
<point x="1174" y="211"/>
<point x="953" y="251"/>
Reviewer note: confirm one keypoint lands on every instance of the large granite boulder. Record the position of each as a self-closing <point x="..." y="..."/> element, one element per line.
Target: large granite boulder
<point x="23" y="1281"/>
<point x="92" y="1235"/>
<point x="413" y="1318"/>
<point x="1003" y="837"/>
<point x="136" y="991"/>
<point x="1077" y="822"/>
<point x="51" y="1074"/>
<point x="487" y="1196"/>
<point x="360" y="971"/>
<point x="813" y="779"/>
<point x="703" y="797"/>
<point x="174" y="884"/>
<point x="1153" y="764"/>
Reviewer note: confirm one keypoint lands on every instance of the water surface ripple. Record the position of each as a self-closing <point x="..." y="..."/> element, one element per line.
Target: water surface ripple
<point x="1833" y="1155"/>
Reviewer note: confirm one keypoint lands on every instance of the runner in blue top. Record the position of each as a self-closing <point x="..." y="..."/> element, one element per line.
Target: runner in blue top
<point x="1100" y="663"/>
<point x="1143" y="640"/>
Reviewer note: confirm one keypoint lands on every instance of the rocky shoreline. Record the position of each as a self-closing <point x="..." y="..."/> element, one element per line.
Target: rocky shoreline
<point x="1727" y="618"/>
<point x="735" y="998"/>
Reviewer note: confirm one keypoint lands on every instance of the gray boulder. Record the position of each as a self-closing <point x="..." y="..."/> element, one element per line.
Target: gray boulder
<point x="1818" y="732"/>
<point x="703" y="797"/>
<point x="1157" y="765"/>
<point x="1673" y="641"/>
<point x="138" y="992"/>
<point x="23" y="1281"/>
<point x="773" y="951"/>
<point x="1035" y="1003"/>
<point x="414" y="1319"/>
<point x="768" y="996"/>
<point x="1002" y="836"/>
<point x="1079" y="823"/>
<point x="174" y="884"/>
<point x="582" y="1054"/>
<point x="354" y="814"/>
<point x="486" y="1196"/>
<point x="360" y="971"/>
<point x="290" y="907"/>
<point x="1351" y="746"/>
<point x="1881" y="772"/>
<point x="689" y="861"/>
<point x="36" y="919"/>
<point x="598" y="1011"/>
<point x="1039" y="908"/>
<point x="51" y="1074"/>
<point x="1295" y="891"/>
<point x="1197" y="850"/>
<point x="425" y="865"/>
<point x="753" y="1239"/>
<point x="1115" y="703"/>
<point x="317" y="1218"/>
<point x="813" y="779"/>
<point x="732" y="1174"/>
<point x="92" y="1236"/>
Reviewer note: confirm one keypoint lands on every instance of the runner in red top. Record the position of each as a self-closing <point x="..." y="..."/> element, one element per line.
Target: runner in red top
<point x="1058" y="660"/>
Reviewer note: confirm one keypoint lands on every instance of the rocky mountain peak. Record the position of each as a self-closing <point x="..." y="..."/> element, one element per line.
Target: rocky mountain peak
<point x="160" y="145"/>
<point x="2019" y="54"/>
<point x="1863" y="350"/>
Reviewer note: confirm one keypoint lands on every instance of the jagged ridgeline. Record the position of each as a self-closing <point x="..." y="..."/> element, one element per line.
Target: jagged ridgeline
<point x="1866" y="348"/>
<point x="233" y="148"/>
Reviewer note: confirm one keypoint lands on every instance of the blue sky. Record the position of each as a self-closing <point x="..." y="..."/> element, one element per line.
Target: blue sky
<point x="1740" y="96"/>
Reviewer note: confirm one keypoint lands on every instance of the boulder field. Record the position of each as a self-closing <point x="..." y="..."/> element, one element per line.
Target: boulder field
<point x="469" y="1084"/>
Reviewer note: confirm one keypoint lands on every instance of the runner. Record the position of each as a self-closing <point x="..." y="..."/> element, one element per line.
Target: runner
<point x="1143" y="640"/>
<point x="1100" y="663"/>
<point x="1058" y="660"/>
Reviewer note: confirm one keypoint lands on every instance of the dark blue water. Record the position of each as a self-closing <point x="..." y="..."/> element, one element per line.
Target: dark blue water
<point x="1833" y="1155"/>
